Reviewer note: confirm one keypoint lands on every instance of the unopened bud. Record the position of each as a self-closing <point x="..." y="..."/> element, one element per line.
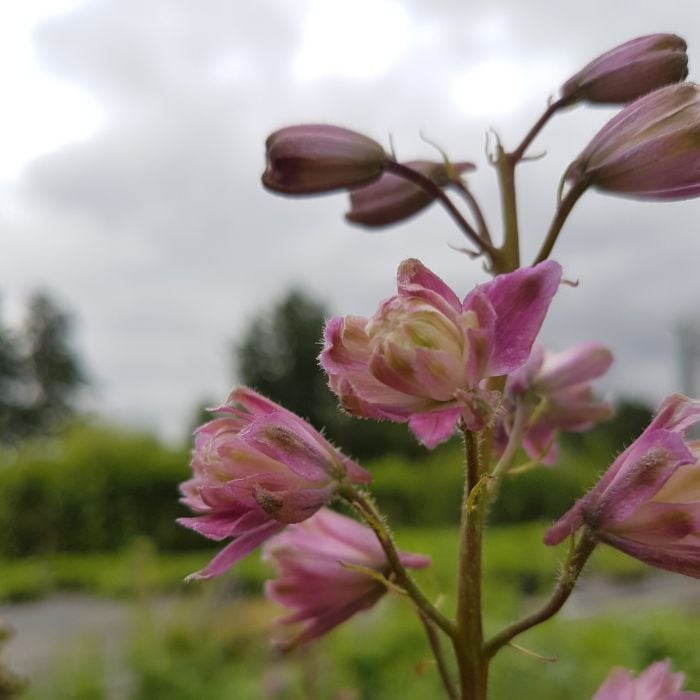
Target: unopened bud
<point x="314" y="158"/>
<point x="629" y="71"/>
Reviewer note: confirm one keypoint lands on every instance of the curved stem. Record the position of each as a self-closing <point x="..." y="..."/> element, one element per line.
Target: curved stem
<point x="472" y="665"/>
<point x="551" y="110"/>
<point x="514" y="440"/>
<point x="434" y="190"/>
<point x="369" y="513"/>
<point x="509" y="253"/>
<point x="570" y="573"/>
<point x="565" y="207"/>
<point x="436" y="647"/>
<point x="481" y="225"/>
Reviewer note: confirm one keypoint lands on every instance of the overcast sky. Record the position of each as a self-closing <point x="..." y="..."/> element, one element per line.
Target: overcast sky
<point x="132" y="144"/>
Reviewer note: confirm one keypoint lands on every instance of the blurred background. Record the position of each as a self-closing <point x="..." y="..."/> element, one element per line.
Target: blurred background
<point x="144" y="272"/>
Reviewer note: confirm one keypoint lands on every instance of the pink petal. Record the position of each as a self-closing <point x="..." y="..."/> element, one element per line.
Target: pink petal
<point x="413" y="274"/>
<point x="434" y="427"/>
<point x="295" y="505"/>
<point x="520" y="300"/>
<point x="578" y="364"/>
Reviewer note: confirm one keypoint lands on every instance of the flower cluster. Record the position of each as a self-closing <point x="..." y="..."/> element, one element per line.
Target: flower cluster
<point x="654" y="683"/>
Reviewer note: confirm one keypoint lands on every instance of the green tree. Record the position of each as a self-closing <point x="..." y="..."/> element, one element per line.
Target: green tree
<point x="278" y="356"/>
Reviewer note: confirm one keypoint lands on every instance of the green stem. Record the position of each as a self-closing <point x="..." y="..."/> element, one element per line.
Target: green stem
<point x="565" y="207"/>
<point x="481" y="225"/>
<point x="551" y="110"/>
<point x="471" y="663"/>
<point x="570" y="573"/>
<point x="508" y="257"/>
<point x="514" y="441"/>
<point x="368" y="511"/>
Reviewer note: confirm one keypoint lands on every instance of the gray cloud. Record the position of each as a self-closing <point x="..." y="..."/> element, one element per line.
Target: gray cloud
<point x="158" y="234"/>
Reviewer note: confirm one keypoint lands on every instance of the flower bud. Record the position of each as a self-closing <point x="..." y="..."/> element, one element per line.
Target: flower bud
<point x="629" y="71"/>
<point x="650" y="150"/>
<point x="393" y="198"/>
<point x="325" y="567"/>
<point x="313" y="158"/>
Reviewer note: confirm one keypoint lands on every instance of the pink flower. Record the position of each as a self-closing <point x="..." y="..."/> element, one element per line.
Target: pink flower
<point x="630" y="70"/>
<point x="654" y="683"/>
<point x="650" y="150"/>
<point x="316" y="580"/>
<point x="256" y="469"/>
<point x="313" y="158"/>
<point x="392" y="198"/>
<point x="555" y="391"/>
<point x="648" y="502"/>
<point x="422" y="355"/>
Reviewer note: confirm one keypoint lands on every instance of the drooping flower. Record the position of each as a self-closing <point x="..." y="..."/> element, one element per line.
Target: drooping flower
<point x="393" y="198"/>
<point x="257" y="468"/>
<point x="650" y="150"/>
<point x="324" y="572"/>
<point x="554" y="390"/>
<point x="315" y="158"/>
<point x="629" y="71"/>
<point x="656" y="682"/>
<point x="648" y="502"/>
<point x="421" y="357"/>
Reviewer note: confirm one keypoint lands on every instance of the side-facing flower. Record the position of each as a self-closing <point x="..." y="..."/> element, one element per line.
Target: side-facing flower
<point x="393" y="198"/>
<point x="656" y="682"/>
<point x="325" y="571"/>
<point x="256" y="469"/>
<point x="629" y="71"/>
<point x="554" y="392"/>
<point x="648" y="502"/>
<point x="315" y="158"/>
<point x="650" y="150"/>
<point x="422" y="355"/>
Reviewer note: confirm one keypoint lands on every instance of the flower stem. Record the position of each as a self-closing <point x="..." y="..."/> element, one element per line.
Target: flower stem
<point x="551" y="110"/>
<point x="481" y="225"/>
<point x="471" y="662"/>
<point x="438" y="653"/>
<point x="563" y="211"/>
<point x="570" y="572"/>
<point x="434" y="190"/>
<point x="371" y="515"/>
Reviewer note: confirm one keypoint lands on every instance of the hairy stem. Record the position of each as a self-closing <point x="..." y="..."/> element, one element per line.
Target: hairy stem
<point x="570" y="572"/>
<point x="369" y="513"/>
<point x="472" y="664"/>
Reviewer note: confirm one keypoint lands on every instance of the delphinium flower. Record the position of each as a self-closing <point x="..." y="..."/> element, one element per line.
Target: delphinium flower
<point x="552" y="392"/>
<point x="329" y="568"/>
<point x="656" y="682"/>
<point x="422" y="356"/>
<point x="648" y="502"/>
<point x="257" y="468"/>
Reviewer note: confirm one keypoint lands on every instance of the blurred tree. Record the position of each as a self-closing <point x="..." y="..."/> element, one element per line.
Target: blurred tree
<point x="40" y="374"/>
<point x="278" y="356"/>
<point x="54" y="371"/>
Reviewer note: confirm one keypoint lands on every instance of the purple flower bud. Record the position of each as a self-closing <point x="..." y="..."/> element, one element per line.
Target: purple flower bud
<point x="392" y="198"/>
<point x="629" y="71"/>
<point x="650" y="150"/>
<point x="313" y="158"/>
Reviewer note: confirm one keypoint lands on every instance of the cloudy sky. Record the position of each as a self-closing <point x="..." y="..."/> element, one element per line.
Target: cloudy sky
<point x="132" y="143"/>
